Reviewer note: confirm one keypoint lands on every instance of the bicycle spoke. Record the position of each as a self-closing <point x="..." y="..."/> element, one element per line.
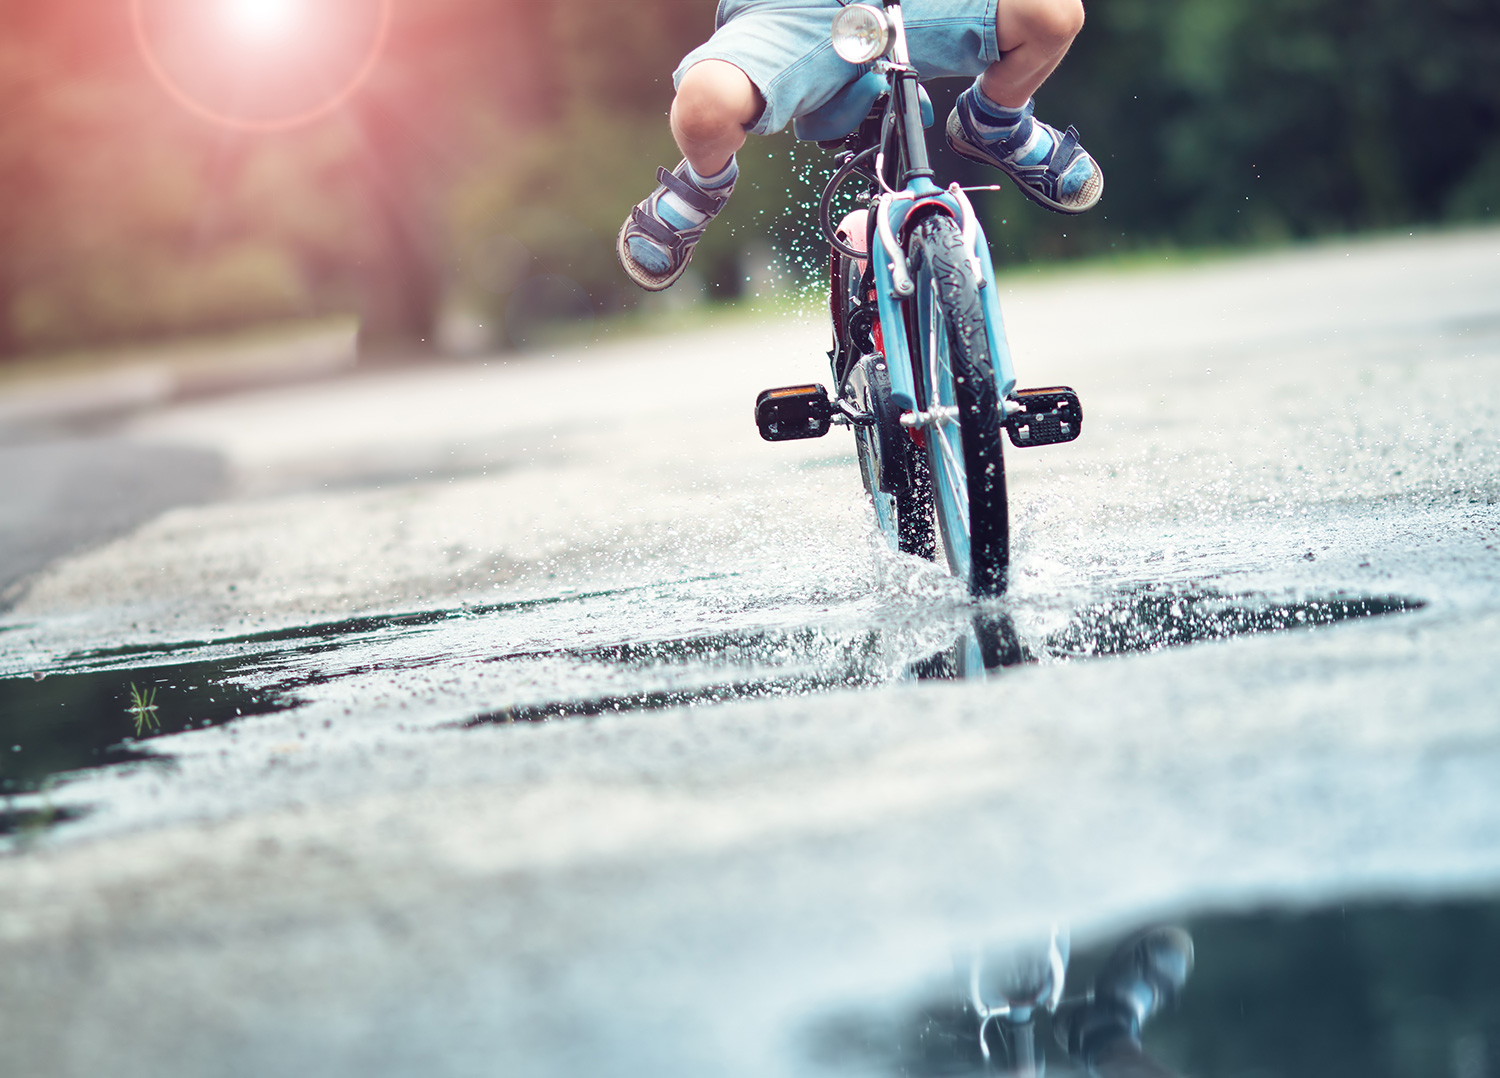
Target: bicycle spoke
<point x="955" y="475"/>
<point x="933" y="383"/>
<point x="937" y="366"/>
<point x="937" y="354"/>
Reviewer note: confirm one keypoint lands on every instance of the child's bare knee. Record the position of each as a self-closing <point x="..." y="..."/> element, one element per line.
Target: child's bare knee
<point x="1050" y="21"/>
<point x="701" y="119"/>
<point x="1062" y="19"/>
<point x="713" y="99"/>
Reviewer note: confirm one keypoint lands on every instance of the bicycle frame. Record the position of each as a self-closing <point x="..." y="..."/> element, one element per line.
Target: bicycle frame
<point x="893" y="210"/>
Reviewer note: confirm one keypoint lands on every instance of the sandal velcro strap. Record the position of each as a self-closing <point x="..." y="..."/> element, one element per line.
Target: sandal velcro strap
<point x="1063" y="153"/>
<point x="659" y="231"/>
<point x="694" y="196"/>
<point x="1041" y="181"/>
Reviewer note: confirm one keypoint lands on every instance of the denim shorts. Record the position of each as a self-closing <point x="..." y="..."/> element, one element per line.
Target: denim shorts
<point x="785" y="49"/>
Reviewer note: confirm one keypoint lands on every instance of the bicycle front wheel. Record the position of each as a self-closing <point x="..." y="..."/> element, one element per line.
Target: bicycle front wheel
<point x="952" y="351"/>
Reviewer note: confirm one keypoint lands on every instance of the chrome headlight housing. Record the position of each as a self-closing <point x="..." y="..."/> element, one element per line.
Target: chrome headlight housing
<point x="861" y="33"/>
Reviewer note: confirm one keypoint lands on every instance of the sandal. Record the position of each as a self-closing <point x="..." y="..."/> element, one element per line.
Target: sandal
<point x="654" y="234"/>
<point x="1051" y="182"/>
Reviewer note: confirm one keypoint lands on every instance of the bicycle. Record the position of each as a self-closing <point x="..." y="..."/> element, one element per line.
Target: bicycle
<point x="920" y="364"/>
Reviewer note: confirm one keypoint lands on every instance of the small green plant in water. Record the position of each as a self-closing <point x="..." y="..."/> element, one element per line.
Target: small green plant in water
<point x="143" y="709"/>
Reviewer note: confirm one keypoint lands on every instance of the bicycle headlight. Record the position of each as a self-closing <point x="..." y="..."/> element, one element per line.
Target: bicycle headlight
<point x="861" y="33"/>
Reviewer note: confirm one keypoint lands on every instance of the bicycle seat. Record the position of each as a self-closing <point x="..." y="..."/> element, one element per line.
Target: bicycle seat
<point x="847" y="109"/>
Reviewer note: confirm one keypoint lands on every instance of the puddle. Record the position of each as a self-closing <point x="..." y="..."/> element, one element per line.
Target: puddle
<point x="502" y="664"/>
<point x="337" y="633"/>
<point x="1385" y="989"/>
<point x="739" y="665"/>
<point x="652" y="701"/>
<point x="71" y="721"/>
<point x="1160" y="617"/>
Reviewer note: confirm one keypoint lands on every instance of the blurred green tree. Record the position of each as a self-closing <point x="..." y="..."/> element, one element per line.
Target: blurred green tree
<point x="1229" y="120"/>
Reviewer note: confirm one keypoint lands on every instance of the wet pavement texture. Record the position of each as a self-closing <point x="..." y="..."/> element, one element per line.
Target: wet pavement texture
<point x="477" y="726"/>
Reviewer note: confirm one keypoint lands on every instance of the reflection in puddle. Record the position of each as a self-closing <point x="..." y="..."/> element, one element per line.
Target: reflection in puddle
<point x="1018" y="1010"/>
<point x="1144" y="620"/>
<point x="987" y="644"/>
<point x="1393" y="990"/>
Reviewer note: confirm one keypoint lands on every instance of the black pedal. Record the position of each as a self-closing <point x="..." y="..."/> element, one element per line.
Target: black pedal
<point x="1047" y="417"/>
<point x="793" y="412"/>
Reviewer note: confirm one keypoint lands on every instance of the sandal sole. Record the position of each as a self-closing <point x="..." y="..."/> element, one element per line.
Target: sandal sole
<point x="651" y="282"/>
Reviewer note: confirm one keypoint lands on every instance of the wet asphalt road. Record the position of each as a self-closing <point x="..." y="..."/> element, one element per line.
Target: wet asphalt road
<point x="533" y="717"/>
<point x="68" y="493"/>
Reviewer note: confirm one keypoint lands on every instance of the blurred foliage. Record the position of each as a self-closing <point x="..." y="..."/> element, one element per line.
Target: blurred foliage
<point x="496" y="147"/>
<point x="1226" y="120"/>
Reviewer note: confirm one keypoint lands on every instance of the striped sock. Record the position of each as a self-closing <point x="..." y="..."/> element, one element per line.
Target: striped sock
<point x="992" y="122"/>
<point x="723" y="178"/>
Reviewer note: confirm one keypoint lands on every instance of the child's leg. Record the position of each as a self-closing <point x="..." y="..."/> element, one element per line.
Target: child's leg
<point x="1033" y="36"/>
<point x="768" y="61"/>
<point x="715" y="102"/>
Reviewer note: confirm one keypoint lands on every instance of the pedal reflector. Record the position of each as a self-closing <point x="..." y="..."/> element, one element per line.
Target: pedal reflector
<point x="793" y="412"/>
<point x="1047" y="417"/>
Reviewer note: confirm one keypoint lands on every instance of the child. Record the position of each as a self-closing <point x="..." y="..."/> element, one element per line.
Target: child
<point x="770" y="61"/>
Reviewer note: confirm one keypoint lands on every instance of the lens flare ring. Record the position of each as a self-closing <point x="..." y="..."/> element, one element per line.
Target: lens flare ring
<point x="332" y="103"/>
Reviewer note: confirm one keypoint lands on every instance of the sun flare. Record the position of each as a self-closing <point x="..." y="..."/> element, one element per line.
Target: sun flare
<point x="261" y="65"/>
<point x="262" y="19"/>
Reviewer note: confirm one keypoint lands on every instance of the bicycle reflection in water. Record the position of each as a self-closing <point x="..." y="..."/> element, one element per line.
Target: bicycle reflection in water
<point x="1006" y="1010"/>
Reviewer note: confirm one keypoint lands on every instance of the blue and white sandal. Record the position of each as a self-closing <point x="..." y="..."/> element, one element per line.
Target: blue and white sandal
<point x="655" y="244"/>
<point x="1067" y="180"/>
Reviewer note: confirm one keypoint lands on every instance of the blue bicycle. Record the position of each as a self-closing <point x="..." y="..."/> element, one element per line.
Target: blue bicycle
<point x="921" y="368"/>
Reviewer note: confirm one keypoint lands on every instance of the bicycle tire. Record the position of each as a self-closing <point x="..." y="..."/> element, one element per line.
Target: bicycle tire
<point x="952" y="360"/>
<point x="894" y="472"/>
